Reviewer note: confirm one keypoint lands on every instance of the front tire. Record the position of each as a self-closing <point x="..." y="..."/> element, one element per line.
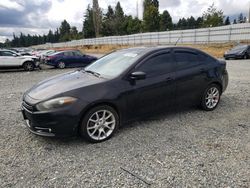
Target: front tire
<point x="99" y="124"/>
<point x="61" y="65"/>
<point x="211" y="97"/>
<point x="28" y="66"/>
<point x="245" y="56"/>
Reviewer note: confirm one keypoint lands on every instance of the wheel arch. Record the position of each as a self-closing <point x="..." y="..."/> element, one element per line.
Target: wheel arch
<point x="217" y="83"/>
<point x="28" y="61"/>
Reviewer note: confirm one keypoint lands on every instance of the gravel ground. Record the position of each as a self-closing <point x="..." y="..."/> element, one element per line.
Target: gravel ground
<point x="185" y="148"/>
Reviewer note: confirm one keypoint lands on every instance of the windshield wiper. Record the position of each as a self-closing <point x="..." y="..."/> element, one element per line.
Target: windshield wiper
<point x="93" y="73"/>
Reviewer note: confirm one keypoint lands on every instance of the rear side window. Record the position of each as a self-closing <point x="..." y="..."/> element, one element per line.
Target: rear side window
<point x="206" y="59"/>
<point x="6" y="53"/>
<point x="186" y="59"/>
<point x="158" y="65"/>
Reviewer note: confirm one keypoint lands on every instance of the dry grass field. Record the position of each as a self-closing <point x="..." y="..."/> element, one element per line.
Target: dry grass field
<point x="216" y="50"/>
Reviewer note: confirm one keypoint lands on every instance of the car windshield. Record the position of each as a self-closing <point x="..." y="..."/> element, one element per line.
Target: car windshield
<point x="112" y="65"/>
<point x="239" y="48"/>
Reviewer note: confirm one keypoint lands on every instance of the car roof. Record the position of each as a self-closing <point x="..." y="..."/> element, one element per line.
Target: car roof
<point x="145" y="49"/>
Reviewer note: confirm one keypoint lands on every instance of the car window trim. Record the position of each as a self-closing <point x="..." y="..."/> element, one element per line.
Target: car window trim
<point x="147" y="56"/>
<point x="187" y="51"/>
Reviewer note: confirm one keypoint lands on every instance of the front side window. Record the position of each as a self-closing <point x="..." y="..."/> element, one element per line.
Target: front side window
<point x="186" y="59"/>
<point x="158" y="65"/>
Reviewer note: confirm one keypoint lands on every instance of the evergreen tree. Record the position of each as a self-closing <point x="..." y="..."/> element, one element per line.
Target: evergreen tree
<point x="73" y="33"/>
<point x="88" y="24"/>
<point x="165" y="21"/>
<point x="199" y="22"/>
<point x="119" y="20"/>
<point x="240" y="18"/>
<point x="227" y="21"/>
<point x="151" y="17"/>
<point x="212" y="17"/>
<point x="191" y="23"/>
<point x="133" y="25"/>
<point x="64" y="31"/>
<point x="108" y="24"/>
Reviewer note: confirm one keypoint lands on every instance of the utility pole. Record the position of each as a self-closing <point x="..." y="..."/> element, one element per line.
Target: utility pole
<point x="137" y="9"/>
<point x="96" y="17"/>
<point x="249" y="13"/>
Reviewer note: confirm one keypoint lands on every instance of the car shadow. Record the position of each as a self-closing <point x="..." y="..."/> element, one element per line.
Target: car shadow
<point x="77" y="140"/>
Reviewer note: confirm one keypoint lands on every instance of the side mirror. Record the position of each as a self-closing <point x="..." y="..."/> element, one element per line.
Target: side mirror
<point x="15" y="55"/>
<point x="138" y="75"/>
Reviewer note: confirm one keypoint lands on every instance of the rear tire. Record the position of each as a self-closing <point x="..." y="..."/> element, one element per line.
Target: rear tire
<point x="28" y="66"/>
<point x="99" y="124"/>
<point x="211" y="97"/>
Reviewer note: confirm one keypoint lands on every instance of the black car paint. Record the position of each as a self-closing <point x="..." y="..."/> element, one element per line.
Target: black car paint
<point x="131" y="99"/>
<point x="235" y="54"/>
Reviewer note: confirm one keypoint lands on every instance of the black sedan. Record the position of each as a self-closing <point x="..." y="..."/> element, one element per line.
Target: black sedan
<point x="121" y="86"/>
<point x="69" y="58"/>
<point x="238" y="52"/>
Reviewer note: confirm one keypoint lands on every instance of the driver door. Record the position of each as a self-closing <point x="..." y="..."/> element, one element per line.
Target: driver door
<point x="157" y="91"/>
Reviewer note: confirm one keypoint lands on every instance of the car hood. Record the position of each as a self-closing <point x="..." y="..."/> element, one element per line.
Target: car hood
<point x="62" y="83"/>
<point x="235" y="51"/>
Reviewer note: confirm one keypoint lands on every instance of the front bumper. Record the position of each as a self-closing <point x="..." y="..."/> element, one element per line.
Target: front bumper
<point x="51" y="124"/>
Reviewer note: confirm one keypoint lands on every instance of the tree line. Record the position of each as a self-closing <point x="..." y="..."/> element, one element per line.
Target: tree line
<point x="114" y="21"/>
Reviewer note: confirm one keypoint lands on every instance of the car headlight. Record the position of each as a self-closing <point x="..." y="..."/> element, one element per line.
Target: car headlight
<point x="55" y="103"/>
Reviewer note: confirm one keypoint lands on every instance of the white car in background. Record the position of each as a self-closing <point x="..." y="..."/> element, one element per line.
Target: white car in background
<point x="11" y="59"/>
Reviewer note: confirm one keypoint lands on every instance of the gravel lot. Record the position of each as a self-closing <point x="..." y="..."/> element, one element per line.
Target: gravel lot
<point x="184" y="148"/>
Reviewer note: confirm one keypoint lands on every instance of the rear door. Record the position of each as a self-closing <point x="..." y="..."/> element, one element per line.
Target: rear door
<point x="191" y="75"/>
<point x="155" y="92"/>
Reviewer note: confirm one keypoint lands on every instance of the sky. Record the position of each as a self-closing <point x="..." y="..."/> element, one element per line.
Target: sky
<point x="38" y="16"/>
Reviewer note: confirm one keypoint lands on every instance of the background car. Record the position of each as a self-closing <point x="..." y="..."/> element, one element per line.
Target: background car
<point x="11" y="59"/>
<point x="122" y="86"/>
<point x="72" y="58"/>
<point x="238" y="52"/>
<point x="42" y="55"/>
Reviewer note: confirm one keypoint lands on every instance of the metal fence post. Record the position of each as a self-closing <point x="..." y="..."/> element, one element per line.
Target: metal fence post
<point x="208" y="40"/>
<point x="158" y="37"/>
<point x="169" y="37"/>
<point x="194" y="36"/>
<point x="230" y="33"/>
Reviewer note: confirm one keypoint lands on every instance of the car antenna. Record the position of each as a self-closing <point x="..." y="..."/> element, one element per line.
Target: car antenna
<point x="177" y="41"/>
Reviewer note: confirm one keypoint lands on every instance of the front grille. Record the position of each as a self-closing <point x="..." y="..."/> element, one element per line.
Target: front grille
<point x="28" y="106"/>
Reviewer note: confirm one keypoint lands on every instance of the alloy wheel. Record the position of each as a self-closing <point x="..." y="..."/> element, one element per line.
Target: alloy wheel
<point x="29" y="66"/>
<point x="101" y="125"/>
<point x="212" y="97"/>
<point x="61" y="65"/>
